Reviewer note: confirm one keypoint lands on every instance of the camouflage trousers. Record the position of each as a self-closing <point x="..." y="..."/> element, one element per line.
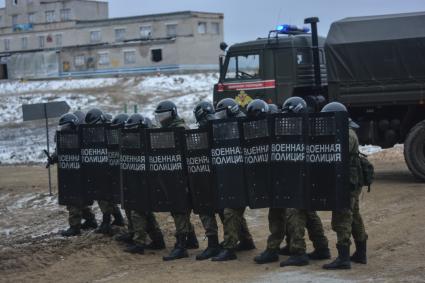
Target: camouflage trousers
<point x="182" y="223"/>
<point x="108" y="207"/>
<point x="144" y="223"/>
<point x="298" y="221"/>
<point x="130" y="227"/>
<point x="277" y="227"/>
<point x="235" y="227"/>
<point x="76" y="213"/>
<point x="209" y="222"/>
<point x="349" y="222"/>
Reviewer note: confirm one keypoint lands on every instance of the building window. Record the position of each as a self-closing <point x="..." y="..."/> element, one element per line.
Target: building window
<point x="14" y="20"/>
<point x="15" y="2"/>
<point x="31" y="18"/>
<point x="95" y="36"/>
<point x="156" y="55"/>
<point x="215" y="28"/>
<point x="129" y="57"/>
<point x="65" y="14"/>
<point x="58" y="40"/>
<point x="24" y="43"/>
<point x="172" y="30"/>
<point x="7" y="44"/>
<point x="50" y="16"/>
<point x="41" y="41"/>
<point x="120" y="34"/>
<point x="146" y="31"/>
<point x="79" y="60"/>
<point x="103" y="58"/>
<point x="202" y="27"/>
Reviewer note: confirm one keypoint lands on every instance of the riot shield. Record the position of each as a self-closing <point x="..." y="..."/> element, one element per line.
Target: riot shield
<point x="168" y="182"/>
<point x="198" y="164"/>
<point x="133" y="163"/>
<point x="94" y="161"/>
<point x="113" y="145"/>
<point x="70" y="186"/>
<point x="256" y="152"/>
<point x="288" y="159"/>
<point x="327" y="161"/>
<point x="227" y="162"/>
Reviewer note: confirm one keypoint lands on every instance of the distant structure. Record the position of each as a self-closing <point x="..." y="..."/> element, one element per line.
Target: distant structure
<point x="72" y="38"/>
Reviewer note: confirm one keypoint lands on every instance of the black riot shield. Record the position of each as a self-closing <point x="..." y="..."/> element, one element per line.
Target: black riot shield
<point x="70" y="186"/>
<point x="168" y="182"/>
<point x="133" y="163"/>
<point x="288" y="159"/>
<point x="94" y="161"/>
<point x="198" y="164"/>
<point x="256" y="152"/>
<point x="327" y="161"/>
<point x="227" y="162"/>
<point x="113" y="145"/>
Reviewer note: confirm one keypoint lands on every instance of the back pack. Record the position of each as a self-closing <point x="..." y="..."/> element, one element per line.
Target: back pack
<point x="367" y="170"/>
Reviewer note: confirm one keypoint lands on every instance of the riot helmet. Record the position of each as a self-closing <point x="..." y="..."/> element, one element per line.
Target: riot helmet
<point x="257" y="108"/>
<point x="165" y="111"/>
<point x="227" y="108"/>
<point x="95" y="116"/>
<point x="339" y="107"/>
<point x="273" y="109"/>
<point x="294" y="104"/>
<point x="204" y="111"/>
<point x="81" y="116"/>
<point x="119" y="120"/>
<point x="108" y="118"/>
<point x="68" y="121"/>
<point x="135" y="121"/>
<point x="148" y="123"/>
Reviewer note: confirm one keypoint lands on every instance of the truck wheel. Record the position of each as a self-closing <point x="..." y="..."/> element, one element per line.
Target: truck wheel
<point x="414" y="150"/>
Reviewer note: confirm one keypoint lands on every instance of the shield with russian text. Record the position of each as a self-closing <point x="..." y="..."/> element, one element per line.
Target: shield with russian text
<point x="169" y="191"/>
<point x="227" y="163"/>
<point x="113" y="145"/>
<point x="256" y="153"/>
<point x="327" y="161"/>
<point x="94" y="161"/>
<point x="199" y="171"/>
<point x="287" y="159"/>
<point x="133" y="164"/>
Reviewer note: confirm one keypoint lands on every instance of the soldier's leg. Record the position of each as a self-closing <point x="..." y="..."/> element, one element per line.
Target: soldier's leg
<point x="316" y="234"/>
<point x="107" y="210"/>
<point x="277" y="219"/>
<point x="211" y="232"/>
<point x="154" y="232"/>
<point x="232" y="226"/>
<point x="89" y="217"/>
<point x="127" y="237"/>
<point x="116" y="212"/>
<point x="192" y="240"/>
<point x="74" y="220"/>
<point x="246" y="242"/>
<point x="359" y="232"/>
<point x="139" y="238"/>
<point x="182" y="224"/>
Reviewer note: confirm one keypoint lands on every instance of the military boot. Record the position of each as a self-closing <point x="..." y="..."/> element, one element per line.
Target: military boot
<point x="285" y="250"/>
<point x="212" y="250"/>
<point x="88" y="224"/>
<point x="342" y="261"/>
<point x="105" y="226"/>
<point x="135" y="249"/>
<point x="157" y="242"/>
<point x="245" y="245"/>
<point x="179" y="250"/>
<point x="125" y="238"/>
<point x="359" y="256"/>
<point x="295" y="260"/>
<point x="192" y="241"/>
<point x="118" y="219"/>
<point x="71" y="231"/>
<point x="267" y="256"/>
<point x="225" y="255"/>
<point x="319" y="254"/>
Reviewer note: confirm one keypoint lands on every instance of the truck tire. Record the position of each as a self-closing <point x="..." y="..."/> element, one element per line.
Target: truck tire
<point x="414" y="150"/>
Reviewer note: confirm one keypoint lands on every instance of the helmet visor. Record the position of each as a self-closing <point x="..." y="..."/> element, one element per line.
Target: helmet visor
<point x="163" y="116"/>
<point x="222" y="114"/>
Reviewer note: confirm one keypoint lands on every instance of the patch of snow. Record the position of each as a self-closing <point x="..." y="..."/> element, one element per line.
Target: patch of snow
<point x="370" y="149"/>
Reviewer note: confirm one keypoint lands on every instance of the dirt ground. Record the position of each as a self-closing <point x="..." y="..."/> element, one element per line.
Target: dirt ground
<point x="32" y="251"/>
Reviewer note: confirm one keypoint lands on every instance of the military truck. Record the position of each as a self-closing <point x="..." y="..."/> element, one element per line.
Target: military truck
<point x="375" y="65"/>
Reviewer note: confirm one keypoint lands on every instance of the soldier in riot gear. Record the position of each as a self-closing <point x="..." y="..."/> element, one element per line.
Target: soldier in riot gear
<point x="273" y="109"/>
<point x="167" y="117"/>
<point x="96" y="116"/>
<point x="143" y="223"/>
<point x="348" y="221"/>
<point x="236" y="233"/>
<point x="76" y="212"/>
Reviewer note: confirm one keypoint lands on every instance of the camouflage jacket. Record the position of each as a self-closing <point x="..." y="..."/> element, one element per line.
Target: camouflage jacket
<point x="354" y="160"/>
<point x="176" y="123"/>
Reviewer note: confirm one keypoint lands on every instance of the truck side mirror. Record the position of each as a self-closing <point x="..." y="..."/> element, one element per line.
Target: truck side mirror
<point x="223" y="46"/>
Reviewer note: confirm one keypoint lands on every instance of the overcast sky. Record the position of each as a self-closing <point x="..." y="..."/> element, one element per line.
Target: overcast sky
<point x="249" y="19"/>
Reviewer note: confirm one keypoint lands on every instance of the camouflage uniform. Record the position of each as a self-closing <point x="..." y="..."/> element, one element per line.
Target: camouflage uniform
<point x="235" y="227"/>
<point x="144" y="223"/>
<point x="298" y="220"/>
<point x="77" y="213"/>
<point x="108" y="207"/>
<point x="277" y="227"/>
<point x="349" y="222"/>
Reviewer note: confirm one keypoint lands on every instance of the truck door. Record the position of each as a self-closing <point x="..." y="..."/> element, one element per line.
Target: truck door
<point x="284" y="73"/>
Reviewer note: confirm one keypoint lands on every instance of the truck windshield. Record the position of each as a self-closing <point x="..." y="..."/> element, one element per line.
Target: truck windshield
<point x="243" y="67"/>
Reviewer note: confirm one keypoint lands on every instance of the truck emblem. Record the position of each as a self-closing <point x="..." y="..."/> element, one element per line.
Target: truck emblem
<point x="243" y="99"/>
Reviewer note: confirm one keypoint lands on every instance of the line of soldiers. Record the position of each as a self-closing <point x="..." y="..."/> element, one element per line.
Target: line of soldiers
<point x="284" y="223"/>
